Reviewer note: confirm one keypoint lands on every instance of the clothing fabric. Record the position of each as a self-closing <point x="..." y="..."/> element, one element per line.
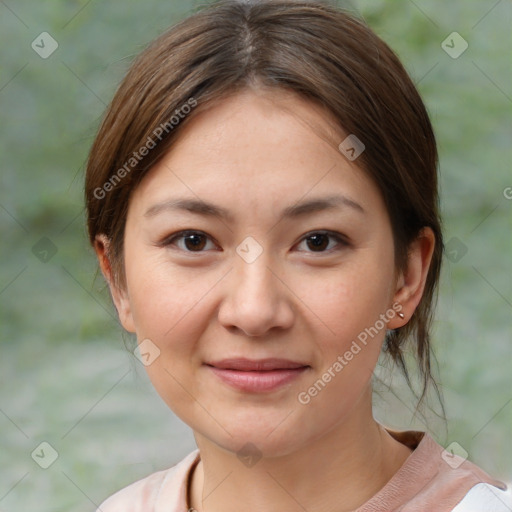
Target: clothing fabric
<point x="430" y="480"/>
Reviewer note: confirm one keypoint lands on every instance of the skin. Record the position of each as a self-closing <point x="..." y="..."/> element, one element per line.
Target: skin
<point x="254" y="154"/>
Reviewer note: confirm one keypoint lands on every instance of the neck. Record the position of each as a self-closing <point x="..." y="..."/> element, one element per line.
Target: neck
<point x="335" y="473"/>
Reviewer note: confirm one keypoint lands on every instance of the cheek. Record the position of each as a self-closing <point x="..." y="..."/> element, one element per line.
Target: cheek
<point x="350" y="304"/>
<point x="351" y="299"/>
<point x="163" y="297"/>
<point x="349" y="346"/>
<point x="168" y="307"/>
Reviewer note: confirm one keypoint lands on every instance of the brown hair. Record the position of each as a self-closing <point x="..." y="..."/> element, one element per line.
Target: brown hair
<point x="313" y="49"/>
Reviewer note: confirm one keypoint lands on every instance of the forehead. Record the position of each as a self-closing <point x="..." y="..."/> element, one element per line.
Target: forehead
<point x="258" y="148"/>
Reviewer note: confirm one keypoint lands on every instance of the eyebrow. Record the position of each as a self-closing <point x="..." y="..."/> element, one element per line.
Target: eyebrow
<point x="207" y="209"/>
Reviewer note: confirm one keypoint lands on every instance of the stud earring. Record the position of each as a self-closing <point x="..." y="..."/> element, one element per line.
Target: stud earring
<point x="401" y="315"/>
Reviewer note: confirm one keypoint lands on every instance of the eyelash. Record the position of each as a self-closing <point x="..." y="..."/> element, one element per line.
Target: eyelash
<point x="338" y="237"/>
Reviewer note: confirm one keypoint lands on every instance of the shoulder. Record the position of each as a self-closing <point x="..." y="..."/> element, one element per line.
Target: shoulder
<point x="140" y="495"/>
<point x="435" y="478"/>
<point x="145" y="494"/>
<point x="486" y="498"/>
<point x="465" y="487"/>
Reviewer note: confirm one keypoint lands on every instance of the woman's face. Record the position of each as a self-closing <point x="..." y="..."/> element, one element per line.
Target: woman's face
<point x="265" y="270"/>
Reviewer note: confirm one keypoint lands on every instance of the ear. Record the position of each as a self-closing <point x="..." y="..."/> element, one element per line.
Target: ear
<point x="411" y="281"/>
<point x="119" y="295"/>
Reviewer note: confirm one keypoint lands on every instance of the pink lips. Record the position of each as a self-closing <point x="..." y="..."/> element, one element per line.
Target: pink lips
<point x="257" y="375"/>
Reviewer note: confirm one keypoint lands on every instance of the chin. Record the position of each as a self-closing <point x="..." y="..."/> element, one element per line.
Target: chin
<point x="251" y="446"/>
<point x="257" y="434"/>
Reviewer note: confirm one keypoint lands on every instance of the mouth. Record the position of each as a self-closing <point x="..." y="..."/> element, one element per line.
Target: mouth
<point x="255" y="376"/>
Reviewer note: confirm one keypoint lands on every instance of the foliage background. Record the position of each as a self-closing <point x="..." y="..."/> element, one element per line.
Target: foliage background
<point x="65" y="376"/>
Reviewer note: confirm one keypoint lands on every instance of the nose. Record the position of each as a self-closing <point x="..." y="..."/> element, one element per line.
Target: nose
<point x="257" y="299"/>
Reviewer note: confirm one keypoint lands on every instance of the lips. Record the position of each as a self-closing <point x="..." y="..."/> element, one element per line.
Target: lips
<point x="250" y="365"/>
<point x="257" y="376"/>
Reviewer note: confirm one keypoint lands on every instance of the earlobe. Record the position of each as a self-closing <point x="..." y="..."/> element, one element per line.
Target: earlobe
<point x="119" y="295"/>
<point x="411" y="282"/>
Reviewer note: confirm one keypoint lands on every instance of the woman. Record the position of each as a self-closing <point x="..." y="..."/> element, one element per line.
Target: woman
<point x="262" y="198"/>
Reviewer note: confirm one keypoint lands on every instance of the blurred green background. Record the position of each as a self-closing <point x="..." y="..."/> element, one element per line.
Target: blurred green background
<point x="66" y="377"/>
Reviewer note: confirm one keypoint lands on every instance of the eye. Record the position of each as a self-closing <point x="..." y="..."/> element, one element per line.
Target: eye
<point x="197" y="241"/>
<point x="193" y="241"/>
<point x="319" y="241"/>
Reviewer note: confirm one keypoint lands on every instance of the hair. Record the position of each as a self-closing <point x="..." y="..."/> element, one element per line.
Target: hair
<point x="313" y="49"/>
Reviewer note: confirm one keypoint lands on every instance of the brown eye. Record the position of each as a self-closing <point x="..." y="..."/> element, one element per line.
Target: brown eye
<point x="192" y="241"/>
<point x="320" y="241"/>
<point x="195" y="242"/>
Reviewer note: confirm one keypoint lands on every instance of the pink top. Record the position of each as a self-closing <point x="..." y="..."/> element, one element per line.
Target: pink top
<point x="431" y="479"/>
